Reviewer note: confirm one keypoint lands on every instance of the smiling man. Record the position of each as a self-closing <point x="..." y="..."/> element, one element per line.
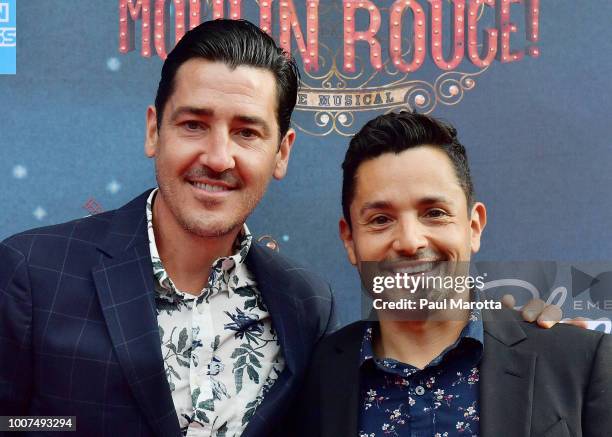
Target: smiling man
<point x="164" y="317"/>
<point x="409" y="206"/>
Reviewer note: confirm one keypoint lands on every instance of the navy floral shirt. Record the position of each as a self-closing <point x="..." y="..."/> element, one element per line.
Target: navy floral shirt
<point x="440" y="400"/>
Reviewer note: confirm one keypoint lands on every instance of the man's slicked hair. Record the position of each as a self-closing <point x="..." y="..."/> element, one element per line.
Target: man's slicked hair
<point x="394" y="133"/>
<point x="235" y="43"/>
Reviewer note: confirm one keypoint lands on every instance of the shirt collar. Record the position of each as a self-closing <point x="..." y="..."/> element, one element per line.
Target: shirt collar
<point x="231" y="269"/>
<point x="473" y="329"/>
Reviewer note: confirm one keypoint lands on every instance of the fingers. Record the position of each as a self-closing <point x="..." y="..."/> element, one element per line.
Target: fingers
<point x="533" y="309"/>
<point x="550" y="316"/>
<point x="508" y="301"/>
<point x="580" y="322"/>
<point x="546" y="316"/>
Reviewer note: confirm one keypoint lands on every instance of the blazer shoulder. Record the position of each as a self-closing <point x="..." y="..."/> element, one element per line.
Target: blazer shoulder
<point x="86" y="230"/>
<point x="308" y="283"/>
<point x="561" y="345"/>
<point x="563" y="336"/>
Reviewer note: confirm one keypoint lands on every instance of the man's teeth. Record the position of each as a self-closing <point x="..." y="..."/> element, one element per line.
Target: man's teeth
<point x="208" y="187"/>
<point x="415" y="269"/>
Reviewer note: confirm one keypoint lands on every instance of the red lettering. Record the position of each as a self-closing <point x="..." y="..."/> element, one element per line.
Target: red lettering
<point x="128" y="14"/>
<point x="350" y="36"/>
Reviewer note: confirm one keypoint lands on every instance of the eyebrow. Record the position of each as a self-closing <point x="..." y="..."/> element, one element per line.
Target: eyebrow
<point x="206" y="112"/>
<point x="385" y="204"/>
<point x="378" y="204"/>
<point x="192" y="110"/>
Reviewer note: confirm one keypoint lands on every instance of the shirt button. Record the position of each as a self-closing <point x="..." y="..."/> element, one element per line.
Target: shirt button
<point x="419" y="390"/>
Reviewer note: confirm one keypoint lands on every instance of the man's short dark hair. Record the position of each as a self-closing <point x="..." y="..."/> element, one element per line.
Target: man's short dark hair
<point x="235" y="43"/>
<point x="394" y="133"/>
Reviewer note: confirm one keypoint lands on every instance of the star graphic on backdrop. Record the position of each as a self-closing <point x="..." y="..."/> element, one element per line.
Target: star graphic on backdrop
<point x="20" y="171"/>
<point x="113" y="187"/>
<point x="113" y="64"/>
<point x="285" y="238"/>
<point x="39" y="213"/>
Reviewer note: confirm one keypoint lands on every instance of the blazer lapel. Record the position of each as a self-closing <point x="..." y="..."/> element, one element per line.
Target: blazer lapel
<point x="276" y="287"/>
<point x="124" y="283"/>
<point x="339" y="398"/>
<point x="506" y="378"/>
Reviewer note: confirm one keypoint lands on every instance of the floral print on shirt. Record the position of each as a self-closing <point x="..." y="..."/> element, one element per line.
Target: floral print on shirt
<point x="221" y="353"/>
<point x="440" y="400"/>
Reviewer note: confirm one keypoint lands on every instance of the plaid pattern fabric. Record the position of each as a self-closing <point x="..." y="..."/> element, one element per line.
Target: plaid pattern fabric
<point x="79" y="336"/>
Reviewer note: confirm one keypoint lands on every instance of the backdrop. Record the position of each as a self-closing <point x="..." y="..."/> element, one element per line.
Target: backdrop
<point x="535" y="117"/>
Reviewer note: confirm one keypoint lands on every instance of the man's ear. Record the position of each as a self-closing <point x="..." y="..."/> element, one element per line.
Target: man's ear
<point x="478" y="221"/>
<point x="282" y="156"/>
<point x="346" y="235"/>
<point x="151" y="136"/>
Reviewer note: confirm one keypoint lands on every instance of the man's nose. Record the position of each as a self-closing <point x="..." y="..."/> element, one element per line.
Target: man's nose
<point x="217" y="152"/>
<point x="410" y="237"/>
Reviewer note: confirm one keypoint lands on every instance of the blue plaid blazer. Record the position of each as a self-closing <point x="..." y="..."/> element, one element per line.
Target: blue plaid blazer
<point x="79" y="335"/>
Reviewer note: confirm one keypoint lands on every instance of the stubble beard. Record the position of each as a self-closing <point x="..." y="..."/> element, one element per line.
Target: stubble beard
<point x="197" y="224"/>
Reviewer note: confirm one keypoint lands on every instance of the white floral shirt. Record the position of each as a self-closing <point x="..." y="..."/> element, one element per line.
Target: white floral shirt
<point x="220" y="351"/>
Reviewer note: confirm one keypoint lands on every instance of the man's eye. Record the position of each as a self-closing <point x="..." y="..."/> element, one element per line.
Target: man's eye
<point x="247" y="133"/>
<point x="193" y="125"/>
<point x="379" y="220"/>
<point x="436" y="213"/>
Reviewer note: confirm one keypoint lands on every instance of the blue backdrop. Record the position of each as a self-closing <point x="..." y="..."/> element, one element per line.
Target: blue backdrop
<point x="537" y="131"/>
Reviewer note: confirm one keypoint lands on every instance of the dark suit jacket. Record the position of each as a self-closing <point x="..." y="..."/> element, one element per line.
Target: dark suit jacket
<point x="533" y="382"/>
<point x="79" y="335"/>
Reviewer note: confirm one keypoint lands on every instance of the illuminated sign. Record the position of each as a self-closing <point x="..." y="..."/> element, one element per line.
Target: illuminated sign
<point x="356" y="55"/>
